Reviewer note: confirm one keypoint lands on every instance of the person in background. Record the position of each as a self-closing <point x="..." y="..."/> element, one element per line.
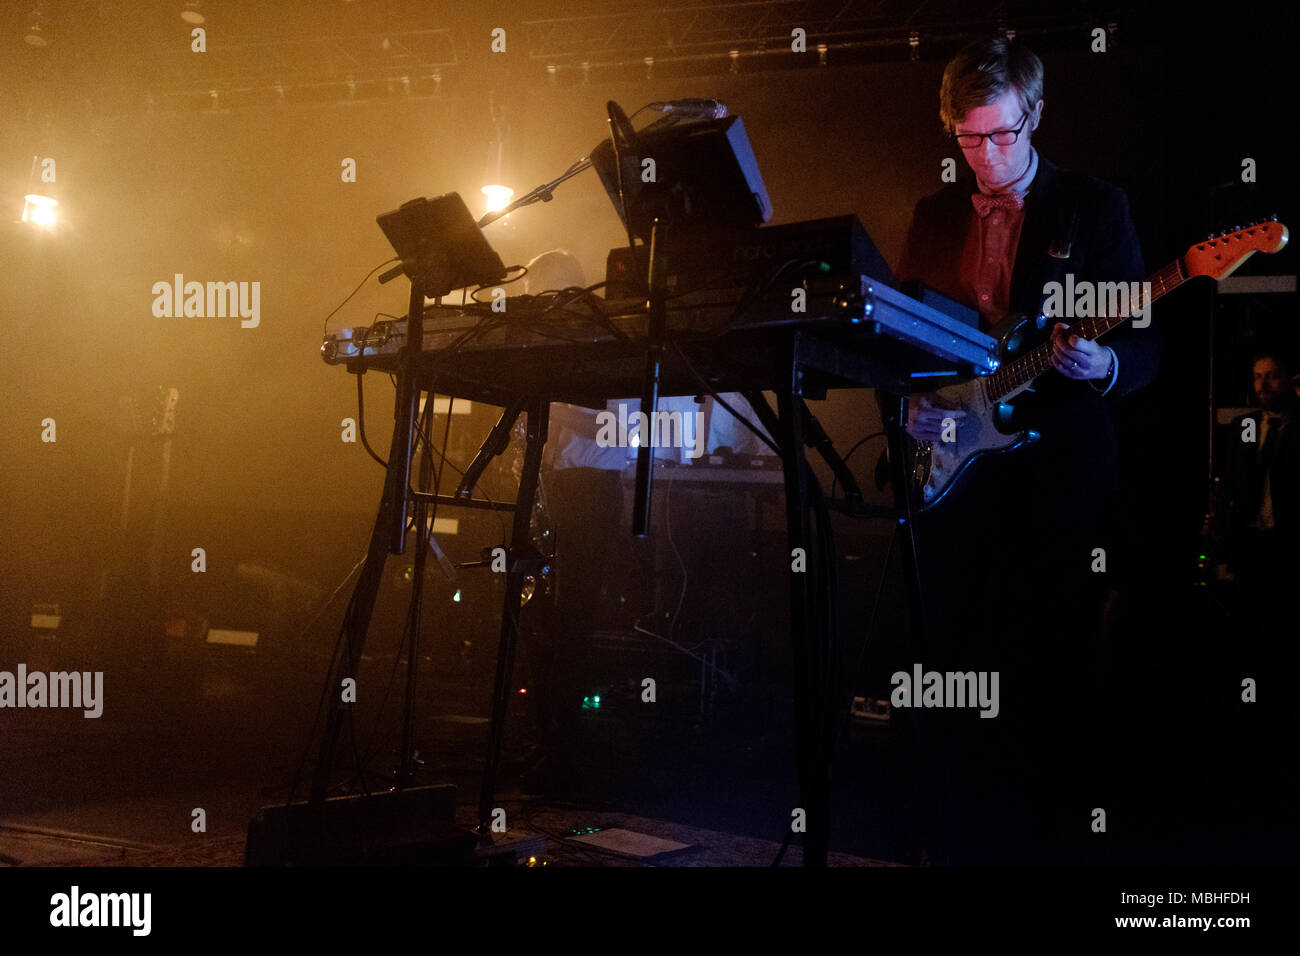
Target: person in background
<point x="1262" y="487"/>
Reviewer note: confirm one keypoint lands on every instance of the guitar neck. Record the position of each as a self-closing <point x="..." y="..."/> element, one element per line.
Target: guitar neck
<point x="1015" y="376"/>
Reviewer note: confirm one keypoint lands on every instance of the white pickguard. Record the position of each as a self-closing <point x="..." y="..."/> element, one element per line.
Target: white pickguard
<point x="939" y="463"/>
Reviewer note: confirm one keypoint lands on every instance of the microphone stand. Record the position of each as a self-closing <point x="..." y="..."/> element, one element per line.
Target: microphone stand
<point x="542" y="193"/>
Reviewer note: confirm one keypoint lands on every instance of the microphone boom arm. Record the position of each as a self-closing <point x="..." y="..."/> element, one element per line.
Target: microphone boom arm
<point x="541" y="194"/>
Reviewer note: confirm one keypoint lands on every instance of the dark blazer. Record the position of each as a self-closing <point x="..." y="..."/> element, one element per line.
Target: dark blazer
<point x="1072" y="416"/>
<point x="1244" y="476"/>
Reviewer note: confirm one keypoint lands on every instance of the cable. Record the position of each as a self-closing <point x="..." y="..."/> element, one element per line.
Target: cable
<point x="523" y="271"/>
<point x="860" y="443"/>
<point x="361" y="421"/>
<point x="496" y="511"/>
<point x="668" y="515"/>
<point x="371" y="745"/>
<point x="751" y="295"/>
<point x="708" y="390"/>
<point x="588" y="296"/>
<point x="446" y="439"/>
<point x="311" y="734"/>
<point x="325" y="324"/>
<point x="329" y="682"/>
<point x="849" y="454"/>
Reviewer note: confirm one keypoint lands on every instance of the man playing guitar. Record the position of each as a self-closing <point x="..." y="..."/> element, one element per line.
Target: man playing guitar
<point x="1009" y="570"/>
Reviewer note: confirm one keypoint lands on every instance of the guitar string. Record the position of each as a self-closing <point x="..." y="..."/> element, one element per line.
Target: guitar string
<point x="1038" y="361"/>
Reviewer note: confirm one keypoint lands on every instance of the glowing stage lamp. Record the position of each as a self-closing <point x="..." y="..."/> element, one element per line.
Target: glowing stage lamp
<point x="40" y="210"/>
<point x="498" y="197"/>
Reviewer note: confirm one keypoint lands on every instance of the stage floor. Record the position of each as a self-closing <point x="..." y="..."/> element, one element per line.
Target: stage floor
<point x="558" y="825"/>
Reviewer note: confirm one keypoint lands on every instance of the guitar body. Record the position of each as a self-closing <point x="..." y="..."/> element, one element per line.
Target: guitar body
<point x="941" y="466"/>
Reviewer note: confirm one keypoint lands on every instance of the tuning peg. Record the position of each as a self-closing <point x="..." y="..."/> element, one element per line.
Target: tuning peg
<point x="1236" y="228"/>
<point x="1250" y="224"/>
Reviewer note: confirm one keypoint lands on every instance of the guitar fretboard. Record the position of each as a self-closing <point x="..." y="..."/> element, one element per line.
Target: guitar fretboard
<point x="1014" y="376"/>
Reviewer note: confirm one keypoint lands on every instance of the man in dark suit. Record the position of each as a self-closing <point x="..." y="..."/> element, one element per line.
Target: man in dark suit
<point x="1011" y="571"/>
<point x="1263" y="461"/>
<point x="1262" y="485"/>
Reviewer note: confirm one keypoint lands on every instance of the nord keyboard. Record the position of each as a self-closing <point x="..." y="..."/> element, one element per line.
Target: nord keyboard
<point x="747" y="258"/>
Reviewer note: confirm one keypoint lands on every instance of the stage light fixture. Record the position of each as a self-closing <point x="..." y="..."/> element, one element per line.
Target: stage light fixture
<point x="40" y="210"/>
<point x="498" y="197"/>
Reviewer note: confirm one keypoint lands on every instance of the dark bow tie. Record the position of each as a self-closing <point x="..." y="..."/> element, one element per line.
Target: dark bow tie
<point x="986" y="204"/>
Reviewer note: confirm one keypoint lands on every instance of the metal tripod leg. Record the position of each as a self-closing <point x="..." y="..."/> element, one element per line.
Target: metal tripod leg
<point x="809" y="640"/>
<point x="518" y="561"/>
<point x="357" y="622"/>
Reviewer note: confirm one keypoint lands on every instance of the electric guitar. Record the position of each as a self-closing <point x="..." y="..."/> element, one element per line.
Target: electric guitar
<point x="940" y="466"/>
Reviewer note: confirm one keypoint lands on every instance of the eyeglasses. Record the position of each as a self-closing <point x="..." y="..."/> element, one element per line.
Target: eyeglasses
<point x="1000" y="137"/>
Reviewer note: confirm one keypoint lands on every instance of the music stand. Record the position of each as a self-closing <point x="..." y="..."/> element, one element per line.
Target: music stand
<point x="440" y="244"/>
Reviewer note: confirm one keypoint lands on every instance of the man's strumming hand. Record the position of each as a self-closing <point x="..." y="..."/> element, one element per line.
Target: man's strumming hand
<point x="1076" y="357"/>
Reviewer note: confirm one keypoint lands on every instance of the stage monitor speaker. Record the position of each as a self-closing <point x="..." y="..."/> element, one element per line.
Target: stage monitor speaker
<point x="397" y="827"/>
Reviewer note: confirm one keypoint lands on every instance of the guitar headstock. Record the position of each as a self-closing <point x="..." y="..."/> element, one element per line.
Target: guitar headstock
<point x="1219" y="255"/>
